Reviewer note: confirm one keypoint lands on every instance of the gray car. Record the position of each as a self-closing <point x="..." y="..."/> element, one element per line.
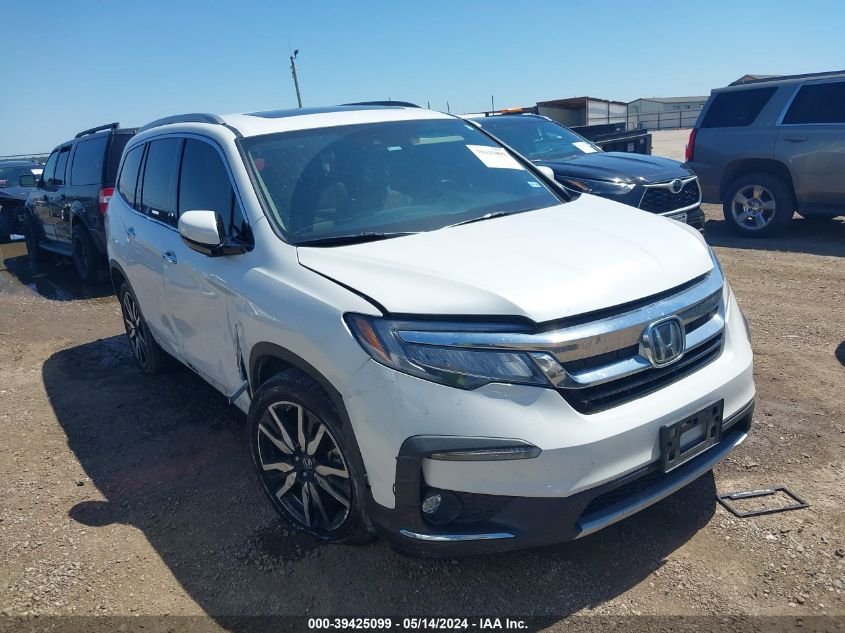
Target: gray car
<point x="768" y="148"/>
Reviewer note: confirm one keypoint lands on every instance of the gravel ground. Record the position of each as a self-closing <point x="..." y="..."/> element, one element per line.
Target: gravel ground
<point x="126" y="494"/>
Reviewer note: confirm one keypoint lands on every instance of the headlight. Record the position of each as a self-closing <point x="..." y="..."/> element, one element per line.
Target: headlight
<point x="598" y="187"/>
<point x="454" y="366"/>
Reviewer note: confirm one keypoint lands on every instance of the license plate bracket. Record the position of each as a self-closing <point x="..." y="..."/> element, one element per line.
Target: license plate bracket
<point x="687" y="438"/>
<point x="679" y="217"/>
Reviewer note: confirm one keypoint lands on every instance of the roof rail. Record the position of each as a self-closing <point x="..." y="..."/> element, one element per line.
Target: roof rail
<point x="100" y="128"/>
<point x="398" y="104"/>
<point x="194" y="117"/>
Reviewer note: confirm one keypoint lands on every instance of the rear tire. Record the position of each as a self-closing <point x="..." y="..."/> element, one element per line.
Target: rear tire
<point x="307" y="460"/>
<point x="36" y="254"/>
<point x="148" y="354"/>
<point x="758" y="205"/>
<point x="85" y="256"/>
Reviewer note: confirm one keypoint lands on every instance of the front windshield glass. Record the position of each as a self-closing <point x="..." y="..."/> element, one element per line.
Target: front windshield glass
<point x="536" y="138"/>
<point x="394" y="177"/>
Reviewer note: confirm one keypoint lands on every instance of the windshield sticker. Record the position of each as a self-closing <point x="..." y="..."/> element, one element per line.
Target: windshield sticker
<point x="494" y="157"/>
<point x="584" y="147"/>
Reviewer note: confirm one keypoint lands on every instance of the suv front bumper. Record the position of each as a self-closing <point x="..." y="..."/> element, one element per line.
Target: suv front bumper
<point x="520" y="522"/>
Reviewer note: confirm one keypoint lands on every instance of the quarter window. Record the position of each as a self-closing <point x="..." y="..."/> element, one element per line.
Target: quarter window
<point x="204" y="185"/>
<point x="128" y="183"/>
<point x="158" y="198"/>
<point x="737" y="108"/>
<point x="818" y="103"/>
<point x="87" y="168"/>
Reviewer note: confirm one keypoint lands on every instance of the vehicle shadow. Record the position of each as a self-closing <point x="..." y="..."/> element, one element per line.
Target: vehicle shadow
<point x="816" y="237"/>
<point x="53" y="279"/>
<point x="169" y="456"/>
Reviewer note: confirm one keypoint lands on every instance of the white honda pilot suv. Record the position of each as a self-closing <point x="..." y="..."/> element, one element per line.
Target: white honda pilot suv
<point x="432" y="340"/>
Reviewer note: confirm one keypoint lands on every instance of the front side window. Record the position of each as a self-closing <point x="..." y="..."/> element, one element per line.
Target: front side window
<point x="128" y="184"/>
<point x="538" y="139"/>
<point x="50" y="169"/>
<point x="388" y="178"/>
<point x="818" y="103"/>
<point x="204" y="185"/>
<point x="737" y="108"/>
<point x="61" y="166"/>
<point x="158" y="195"/>
<point x="87" y="167"/>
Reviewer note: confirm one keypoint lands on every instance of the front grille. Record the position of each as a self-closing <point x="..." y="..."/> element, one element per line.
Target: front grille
<point x="662" y="200"/>
<point x="602" y="396"/>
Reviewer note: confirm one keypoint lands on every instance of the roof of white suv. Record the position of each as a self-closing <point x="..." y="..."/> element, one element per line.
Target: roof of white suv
<point x="268" y="122"/>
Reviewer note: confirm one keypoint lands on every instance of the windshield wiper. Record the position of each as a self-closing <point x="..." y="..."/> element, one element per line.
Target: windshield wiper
<point x="486" y="216"/>
<point x="355" y="238"/>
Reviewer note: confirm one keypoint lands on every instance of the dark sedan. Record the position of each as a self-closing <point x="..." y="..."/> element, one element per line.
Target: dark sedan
<point x="17" y="177"/>
<point x="654" y="184"/>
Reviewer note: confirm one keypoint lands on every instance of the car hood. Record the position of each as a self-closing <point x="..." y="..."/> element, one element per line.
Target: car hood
<point x="548" y="264"/>
<point x="619" y="167"/>
<point x="15" y="193"/>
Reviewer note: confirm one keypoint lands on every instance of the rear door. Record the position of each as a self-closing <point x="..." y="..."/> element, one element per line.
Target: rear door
<point x="86" y="174"/>
<point x="57" y="199"/>
<point x="811" y="140"/>
<point x="38" y="198"/>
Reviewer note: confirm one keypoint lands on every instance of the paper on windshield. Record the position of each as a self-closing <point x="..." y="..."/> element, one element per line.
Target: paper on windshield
<point x="494" y="157"/>
<point x="584" y="147"/>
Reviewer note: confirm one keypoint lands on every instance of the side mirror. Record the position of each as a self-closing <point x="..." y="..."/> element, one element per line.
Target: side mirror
<point x="27" y="180"/>
<point x="548" y="172"/>
<point x="204" y="232"/>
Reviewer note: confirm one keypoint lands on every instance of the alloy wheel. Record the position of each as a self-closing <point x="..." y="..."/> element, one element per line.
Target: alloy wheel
<point x="753" y="207"/>
<point x="303" y="467"/>
<point x="135" y="329"/>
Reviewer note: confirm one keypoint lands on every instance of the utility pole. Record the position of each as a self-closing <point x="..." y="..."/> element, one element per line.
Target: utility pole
<point x="492" y="104"/>
<point x="295" y="80"/>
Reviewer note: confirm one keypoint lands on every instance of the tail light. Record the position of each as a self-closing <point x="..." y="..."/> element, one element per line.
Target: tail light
<point x="690" y="151"/>
<point x="105" y="195"/>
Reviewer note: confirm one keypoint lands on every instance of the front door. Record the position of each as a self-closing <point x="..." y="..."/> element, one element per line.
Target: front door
<point x="38" y="199"/>
<point x="203" y="291"/>
<point x="57" y="199"/>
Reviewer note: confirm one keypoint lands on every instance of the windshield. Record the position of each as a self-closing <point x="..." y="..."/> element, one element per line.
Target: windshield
<point x="11" y="176"/>
<point x="536" y="138"/>
<point x="386" y="178"/>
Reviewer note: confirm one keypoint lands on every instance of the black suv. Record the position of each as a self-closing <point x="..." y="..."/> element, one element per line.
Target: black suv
<point x="657" y="185"/>
<point x="65" y="211"/>
<point x="17" y="177"/>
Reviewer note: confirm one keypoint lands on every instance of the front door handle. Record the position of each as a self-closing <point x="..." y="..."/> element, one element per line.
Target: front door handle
<point x="169" y="257"/>
<point x="796" y="139"/>
<point x="130" y="233"/>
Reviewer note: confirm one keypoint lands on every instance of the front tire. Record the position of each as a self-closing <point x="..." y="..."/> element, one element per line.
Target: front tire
<point x="148" y="354"/>
<point x="307" y="460"/>
<point x="758" y="205"/>
<point x="36" y="254"/>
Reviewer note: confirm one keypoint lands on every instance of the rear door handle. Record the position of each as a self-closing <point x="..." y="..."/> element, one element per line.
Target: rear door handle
<point x="169" y="257"/>
<point x="796" y="139"/>
<point x="130" y="233"/>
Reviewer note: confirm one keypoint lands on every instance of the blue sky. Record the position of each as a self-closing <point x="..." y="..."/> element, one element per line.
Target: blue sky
<point x="75" y="64"/>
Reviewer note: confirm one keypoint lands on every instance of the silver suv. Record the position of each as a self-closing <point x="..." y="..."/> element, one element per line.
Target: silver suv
<point x="768" y="148"/>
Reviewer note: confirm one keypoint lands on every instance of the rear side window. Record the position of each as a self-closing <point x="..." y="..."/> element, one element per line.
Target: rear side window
<point x="205" y="185"/>
<point x="87" y="167"/>
<point x="818" y="103"/>
<point x="59" y="177"/>
<point x="737" y="108"/>
<point x="128" y="183"/>
<point x="158" y="197"/>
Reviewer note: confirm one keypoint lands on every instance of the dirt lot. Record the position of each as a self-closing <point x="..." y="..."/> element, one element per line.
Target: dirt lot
<point x="129" y="494"/>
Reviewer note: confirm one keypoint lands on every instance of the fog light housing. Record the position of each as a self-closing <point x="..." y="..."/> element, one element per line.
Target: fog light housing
<point x="440" y="507"/>
<point x="431" y="503"/>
